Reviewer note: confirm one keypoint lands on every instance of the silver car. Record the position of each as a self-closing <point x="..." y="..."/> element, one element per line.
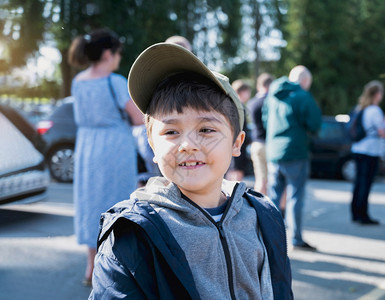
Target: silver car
<point x="23" y="173"/>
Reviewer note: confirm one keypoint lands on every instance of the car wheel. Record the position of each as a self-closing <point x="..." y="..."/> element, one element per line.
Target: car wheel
<point x="348" y="170"/>
<point x="61" y="163"/>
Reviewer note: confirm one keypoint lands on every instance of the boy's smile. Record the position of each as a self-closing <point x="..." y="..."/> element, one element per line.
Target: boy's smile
<point x="194" y="149"/>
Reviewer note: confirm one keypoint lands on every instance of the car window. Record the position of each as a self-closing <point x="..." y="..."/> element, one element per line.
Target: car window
<point x="331" y="130"/>
<point x="64" y="111"/>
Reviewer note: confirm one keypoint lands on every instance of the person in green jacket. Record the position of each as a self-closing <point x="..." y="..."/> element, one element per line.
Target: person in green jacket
<point x="290" y="115"/>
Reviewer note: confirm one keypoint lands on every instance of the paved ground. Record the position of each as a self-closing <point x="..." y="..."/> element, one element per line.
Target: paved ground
<point x="350" y="262"/>
<point x="39" y="257"/>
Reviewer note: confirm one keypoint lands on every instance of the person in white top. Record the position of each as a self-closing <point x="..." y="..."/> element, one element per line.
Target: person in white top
<point x="367" y="151"/>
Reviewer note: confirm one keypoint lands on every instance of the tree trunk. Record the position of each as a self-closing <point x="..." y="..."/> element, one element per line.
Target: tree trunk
<point x="257" y="27"/>
<point x="67" y="74"/>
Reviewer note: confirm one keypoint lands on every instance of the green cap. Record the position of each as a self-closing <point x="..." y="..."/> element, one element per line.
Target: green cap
<point x="164" y="59"/>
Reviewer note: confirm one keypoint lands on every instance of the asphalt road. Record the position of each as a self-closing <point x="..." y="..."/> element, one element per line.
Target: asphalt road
<point x="40" y="259"/>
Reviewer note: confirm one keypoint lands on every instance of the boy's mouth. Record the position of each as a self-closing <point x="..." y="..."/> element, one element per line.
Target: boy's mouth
<point x="191" y="163"/>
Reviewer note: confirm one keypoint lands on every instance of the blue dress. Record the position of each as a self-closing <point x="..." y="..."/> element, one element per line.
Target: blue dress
<point x="105" y="155"/>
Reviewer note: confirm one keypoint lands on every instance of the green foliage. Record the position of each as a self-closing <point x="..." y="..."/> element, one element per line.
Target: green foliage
<point x="142" y="23"/>
<point x="22" y="28"/>
<point x="213" y="27"/>
<point x="341" y="42"/>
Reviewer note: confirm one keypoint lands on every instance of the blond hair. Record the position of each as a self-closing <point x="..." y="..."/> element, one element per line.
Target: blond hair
<point x="371" y="89"/>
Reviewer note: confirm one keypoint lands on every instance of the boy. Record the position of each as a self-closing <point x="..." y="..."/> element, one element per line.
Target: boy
<point x="190" y="234"/>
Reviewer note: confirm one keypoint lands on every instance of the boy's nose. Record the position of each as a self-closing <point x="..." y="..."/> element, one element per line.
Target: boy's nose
<point x="187" y="146"/>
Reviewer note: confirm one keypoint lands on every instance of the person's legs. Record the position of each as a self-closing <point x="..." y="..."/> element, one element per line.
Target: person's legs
<point x="296" y="173"/>
<point x="357" y="188"/>
<point x="90" y="266"/>
<point x="372" y="170"/>
<point x="366" y="171"/>
<point x="258" y="157"/>
<point x="276" y="183"/>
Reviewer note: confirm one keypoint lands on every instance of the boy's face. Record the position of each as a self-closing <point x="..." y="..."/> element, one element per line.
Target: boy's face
<point x="194" y="149"/>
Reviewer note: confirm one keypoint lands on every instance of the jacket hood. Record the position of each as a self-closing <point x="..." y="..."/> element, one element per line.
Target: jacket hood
<point x="282" y="87"/>
<point x="160" y="192"/>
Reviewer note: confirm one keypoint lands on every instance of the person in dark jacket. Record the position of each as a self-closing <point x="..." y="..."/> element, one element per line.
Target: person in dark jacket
<point x="291" y="115"/>
<point x="190" y="234"/>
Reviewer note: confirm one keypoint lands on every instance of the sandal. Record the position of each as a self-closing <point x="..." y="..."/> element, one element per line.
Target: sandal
<point x="87" y="282"/>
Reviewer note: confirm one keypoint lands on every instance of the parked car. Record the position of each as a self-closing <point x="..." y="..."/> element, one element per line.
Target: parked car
<point x="59" y="133"/>
<point x="23" y="173"/>
<point x="330" y="150"/>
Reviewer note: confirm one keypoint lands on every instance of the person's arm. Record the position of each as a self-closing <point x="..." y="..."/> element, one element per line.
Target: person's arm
<point x="111" y="280"/>
<point x="134" y="113"/>
<point x="373" y="121"/>
<point x="119" y="86"/>
<point x="265" y="113"/>
<point x="377" y="118"/>
<point x="119" y="257"/>
<point x="381" y="132"/>
<point x="313" y="116"/>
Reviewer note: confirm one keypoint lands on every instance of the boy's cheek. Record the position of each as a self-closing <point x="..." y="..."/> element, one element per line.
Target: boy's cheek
<point x="164" y="156"/>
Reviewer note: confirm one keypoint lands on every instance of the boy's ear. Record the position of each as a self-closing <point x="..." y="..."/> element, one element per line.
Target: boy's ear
<point x="154" y="159"/>
<point x="238" y="143"/>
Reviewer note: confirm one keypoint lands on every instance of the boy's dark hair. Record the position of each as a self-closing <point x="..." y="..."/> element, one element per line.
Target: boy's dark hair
<point x="191" y="90"/>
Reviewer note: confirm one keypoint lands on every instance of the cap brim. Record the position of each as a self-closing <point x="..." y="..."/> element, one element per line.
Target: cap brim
<point x="162" y="60"/>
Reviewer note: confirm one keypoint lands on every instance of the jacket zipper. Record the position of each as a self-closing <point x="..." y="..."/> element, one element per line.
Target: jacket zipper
<point x="226" y="251"/>
<point x="222" y="236"/>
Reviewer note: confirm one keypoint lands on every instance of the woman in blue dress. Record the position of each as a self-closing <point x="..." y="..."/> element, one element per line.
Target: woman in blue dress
<point x="105" y="154"/>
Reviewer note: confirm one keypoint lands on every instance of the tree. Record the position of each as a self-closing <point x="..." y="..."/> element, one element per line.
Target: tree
<point x="341" y="42"/>
<point x="22" y="28"/>
<point x="215" y="28"/>
<point x="142" y="23"/>
<point x="260" y="19"/>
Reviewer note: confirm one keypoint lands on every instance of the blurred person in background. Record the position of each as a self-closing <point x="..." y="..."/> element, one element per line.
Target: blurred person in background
<point x="290" y="114"/>
<point x="179" y="40"/>
<point x="258" y="135"/>
<point x="105" y="169"/>
<point x="367" y="151"/>
<point x="239" y="165"/>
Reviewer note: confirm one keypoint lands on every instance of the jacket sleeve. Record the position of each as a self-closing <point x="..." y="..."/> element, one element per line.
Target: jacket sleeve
<point x="112" y="280"/>
<point x="274" y="238"/>
<point x="312" y="115"/>
<point x="129" y="265"/>
<point x="265" y="113"/>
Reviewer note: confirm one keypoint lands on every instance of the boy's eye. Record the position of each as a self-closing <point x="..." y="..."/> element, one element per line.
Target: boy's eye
<point x="171" y="132"/>
<point x="207" y="130"/>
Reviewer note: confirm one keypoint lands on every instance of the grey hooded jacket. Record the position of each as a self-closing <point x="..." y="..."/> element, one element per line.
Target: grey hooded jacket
<point x="159" y="245"/>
